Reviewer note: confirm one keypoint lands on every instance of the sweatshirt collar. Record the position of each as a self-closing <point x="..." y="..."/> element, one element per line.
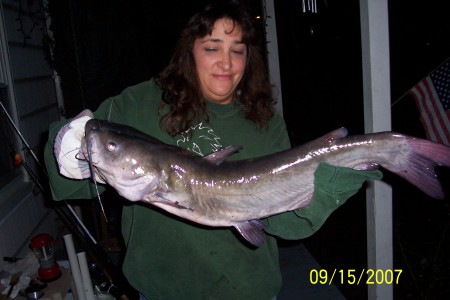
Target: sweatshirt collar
<point x="223" y="110"/>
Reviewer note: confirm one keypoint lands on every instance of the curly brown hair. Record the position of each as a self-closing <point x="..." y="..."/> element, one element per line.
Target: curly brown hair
<point x="179" y="80"/>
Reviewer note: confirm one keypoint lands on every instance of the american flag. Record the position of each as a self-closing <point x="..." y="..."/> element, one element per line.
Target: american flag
<point x="432" y="96"/>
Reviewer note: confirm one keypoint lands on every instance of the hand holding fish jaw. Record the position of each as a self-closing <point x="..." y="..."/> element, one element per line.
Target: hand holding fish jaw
<point x="68" y="149"/>
<point x="215" y="193"/>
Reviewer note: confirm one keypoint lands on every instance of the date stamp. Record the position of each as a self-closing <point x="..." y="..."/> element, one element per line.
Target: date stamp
<point x="355" y="277"/>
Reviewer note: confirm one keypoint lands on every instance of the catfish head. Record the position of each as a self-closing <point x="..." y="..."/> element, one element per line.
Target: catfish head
<point x="118" y="158"/>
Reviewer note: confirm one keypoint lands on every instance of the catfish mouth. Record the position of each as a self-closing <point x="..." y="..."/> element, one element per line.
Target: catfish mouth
<point x="85" y="151"/>
<point x="86" y="154"/>
<point x="86" y="142"/>
<point x="88" y="149"/>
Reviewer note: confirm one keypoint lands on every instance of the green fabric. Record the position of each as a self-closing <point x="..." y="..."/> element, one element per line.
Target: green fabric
<point x="170" y="258"/>
<point x="332" y="187"/>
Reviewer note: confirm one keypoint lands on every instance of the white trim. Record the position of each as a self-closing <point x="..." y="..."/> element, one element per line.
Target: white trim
<point x="377" y="117"/>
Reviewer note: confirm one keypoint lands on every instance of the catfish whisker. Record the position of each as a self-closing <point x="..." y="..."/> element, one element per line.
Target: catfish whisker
<point x="93" y="174"/>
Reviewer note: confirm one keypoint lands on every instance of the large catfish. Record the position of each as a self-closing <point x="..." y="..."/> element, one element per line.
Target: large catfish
<point x="214" y="192"/>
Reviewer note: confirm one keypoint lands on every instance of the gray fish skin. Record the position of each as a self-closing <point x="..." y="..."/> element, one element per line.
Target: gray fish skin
<point x="208" y="191"/>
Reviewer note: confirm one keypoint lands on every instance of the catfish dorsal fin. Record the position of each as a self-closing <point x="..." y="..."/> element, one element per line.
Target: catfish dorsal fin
<point x="219" y="156"/>
<point x="252" y="231"/>
<point x="334" y="135"/>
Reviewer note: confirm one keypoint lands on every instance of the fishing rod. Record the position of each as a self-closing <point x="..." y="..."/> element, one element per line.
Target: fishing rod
<point x="43" y="170"/>
<point x="16" y="130"/>
<point x="120" y="287"/>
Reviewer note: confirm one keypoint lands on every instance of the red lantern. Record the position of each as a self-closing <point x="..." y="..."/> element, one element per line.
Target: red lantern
<point x="42" y="246"/>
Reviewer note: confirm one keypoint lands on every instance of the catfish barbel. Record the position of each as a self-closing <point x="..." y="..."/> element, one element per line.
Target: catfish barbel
<point x="214" y="192"/>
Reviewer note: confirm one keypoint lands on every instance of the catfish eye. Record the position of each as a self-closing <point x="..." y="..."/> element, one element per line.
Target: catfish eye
<point x="111" y="146"/>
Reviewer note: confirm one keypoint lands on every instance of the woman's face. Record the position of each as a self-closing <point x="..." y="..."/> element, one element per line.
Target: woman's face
<point x="220" y="60"/>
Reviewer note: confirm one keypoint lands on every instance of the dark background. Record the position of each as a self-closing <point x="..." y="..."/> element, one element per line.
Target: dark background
<point x="320" y="57"/>
<point x="101" y="47"/>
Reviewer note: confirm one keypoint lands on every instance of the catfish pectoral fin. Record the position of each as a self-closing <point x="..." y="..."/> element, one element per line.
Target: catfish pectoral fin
<point x="160" y="198"/>
<point x="252" y="231"/>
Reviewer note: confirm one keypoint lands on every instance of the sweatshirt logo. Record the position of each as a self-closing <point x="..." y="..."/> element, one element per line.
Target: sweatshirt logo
<point x="195" y="136"/>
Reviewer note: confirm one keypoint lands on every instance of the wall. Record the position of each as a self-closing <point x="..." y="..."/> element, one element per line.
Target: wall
<point x="34" y="105"/>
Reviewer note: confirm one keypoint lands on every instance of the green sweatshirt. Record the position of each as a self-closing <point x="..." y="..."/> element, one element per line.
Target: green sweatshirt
<point x="170" y="258"/>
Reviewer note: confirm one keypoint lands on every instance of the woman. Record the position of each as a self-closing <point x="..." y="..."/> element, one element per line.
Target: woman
<point x="214" y="93"/>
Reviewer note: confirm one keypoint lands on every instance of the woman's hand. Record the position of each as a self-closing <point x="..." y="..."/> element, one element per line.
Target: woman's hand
<point x="67" y="148"/>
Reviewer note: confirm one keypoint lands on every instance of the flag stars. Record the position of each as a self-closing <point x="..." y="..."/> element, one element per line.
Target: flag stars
<point x="441" y="82"/>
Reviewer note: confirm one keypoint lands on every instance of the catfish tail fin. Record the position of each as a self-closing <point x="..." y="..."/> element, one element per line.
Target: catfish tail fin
<point x="425" y="156"/>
